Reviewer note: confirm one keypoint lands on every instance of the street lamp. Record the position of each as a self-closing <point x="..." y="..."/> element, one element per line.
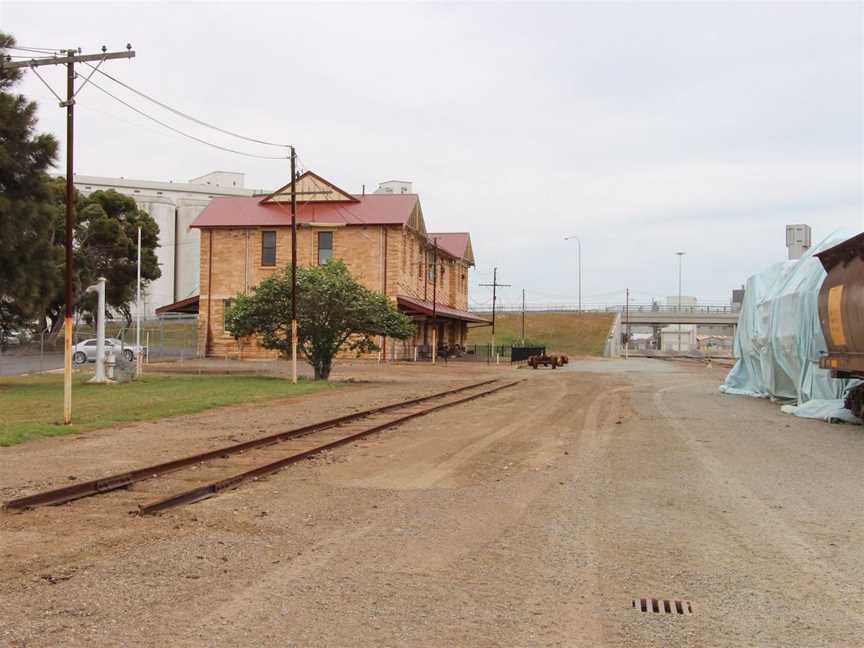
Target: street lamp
<point x="680" y="262"/>
<point x="579" y="251"/>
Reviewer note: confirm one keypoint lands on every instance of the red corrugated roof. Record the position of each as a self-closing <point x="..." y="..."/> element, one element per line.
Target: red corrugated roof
<point x="425" y="307"/>
<point x="246" y="211"/>
<point x="455" y="243"/>
<point x="188" y="305"/>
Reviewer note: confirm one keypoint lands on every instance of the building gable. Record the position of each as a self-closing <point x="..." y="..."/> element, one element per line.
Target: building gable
<point x="468" y="255"/>
<point x="311" y="188"/>
<point x="415" y="220"/>
<point x="456" y="244"/>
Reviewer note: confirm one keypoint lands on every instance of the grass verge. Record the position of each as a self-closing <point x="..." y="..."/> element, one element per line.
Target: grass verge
<point x="573" y="333"/>
<point x="32" y="406"/>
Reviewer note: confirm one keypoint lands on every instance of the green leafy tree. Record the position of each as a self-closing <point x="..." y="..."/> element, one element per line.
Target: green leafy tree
<point x="106" y="245"/>
<point x="333" y="311"/>
<point x="28" y="210"/>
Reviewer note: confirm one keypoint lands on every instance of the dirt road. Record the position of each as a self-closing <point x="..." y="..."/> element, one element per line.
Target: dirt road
<point x="530" y="518"/>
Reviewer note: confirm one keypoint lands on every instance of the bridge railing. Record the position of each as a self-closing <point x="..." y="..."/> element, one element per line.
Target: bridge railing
<point x="609" y="308"/>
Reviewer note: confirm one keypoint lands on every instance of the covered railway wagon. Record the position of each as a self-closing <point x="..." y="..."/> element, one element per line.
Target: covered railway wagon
<point x="841" y="314"/>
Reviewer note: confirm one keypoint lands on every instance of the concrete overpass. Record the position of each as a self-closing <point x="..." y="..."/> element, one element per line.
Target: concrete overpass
<point x="666" y="315"/>
<point x="646" y="314"/>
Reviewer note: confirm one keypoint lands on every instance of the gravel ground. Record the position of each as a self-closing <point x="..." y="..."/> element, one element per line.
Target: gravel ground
<point x="529" y="518"/>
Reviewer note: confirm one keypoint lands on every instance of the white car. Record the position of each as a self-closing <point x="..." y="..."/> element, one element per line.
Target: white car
<point x="86" y="351"/>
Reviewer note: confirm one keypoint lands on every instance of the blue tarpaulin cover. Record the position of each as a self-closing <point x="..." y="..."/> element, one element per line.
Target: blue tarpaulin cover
<point x="779" y="340"/>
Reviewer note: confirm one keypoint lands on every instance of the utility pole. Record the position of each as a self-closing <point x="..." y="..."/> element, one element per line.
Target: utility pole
<point x="72" y="57"/>
<point x="293" y="266"/>
<point x="680" y="261"/>
<point x="579" y="266"/>
<point x="523" y="317"/>
<point x="627" y="325"/>
<point x="494" y="285"/>
<point x="434" y="299"/>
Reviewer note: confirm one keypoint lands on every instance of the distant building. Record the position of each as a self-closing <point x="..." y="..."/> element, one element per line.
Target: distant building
<point x="686" y="300"/>
<point x="737" y="298"/>
<point x="679" y="337"/>
<point x="173" y="205"/>
<point x="394" y="187"/>
<point x="797" y="240"/>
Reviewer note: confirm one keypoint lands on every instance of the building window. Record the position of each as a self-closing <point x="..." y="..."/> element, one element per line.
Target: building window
<point x="268" y="248"/>
<point x="226" y="305"/>
<point x="325" y="247"/>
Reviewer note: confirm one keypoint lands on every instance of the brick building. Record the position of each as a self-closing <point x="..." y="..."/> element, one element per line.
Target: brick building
<point x="381" y="237"/>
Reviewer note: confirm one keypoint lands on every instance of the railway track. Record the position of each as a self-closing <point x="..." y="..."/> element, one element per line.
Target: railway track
<point x="193" y="478"/>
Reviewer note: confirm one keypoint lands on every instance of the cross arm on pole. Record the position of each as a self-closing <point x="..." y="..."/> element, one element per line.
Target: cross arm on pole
<point x="63" y="60"/>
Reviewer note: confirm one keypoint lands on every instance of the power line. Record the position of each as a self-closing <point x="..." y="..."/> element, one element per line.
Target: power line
<point x="38" y="50"/>
<point x="182" y="114"/>
<point x="20" y="56"/>
<point x="178" y="131"/>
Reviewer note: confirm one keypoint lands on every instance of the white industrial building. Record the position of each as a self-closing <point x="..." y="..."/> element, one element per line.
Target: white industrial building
<point x="173" y="205"/>
<point x="679" y="337"/>
<point x="394" y="187"/>
<point x="798" y="240"/>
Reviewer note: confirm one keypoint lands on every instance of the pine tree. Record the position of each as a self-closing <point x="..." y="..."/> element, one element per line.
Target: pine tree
<point x="29" y="257"/>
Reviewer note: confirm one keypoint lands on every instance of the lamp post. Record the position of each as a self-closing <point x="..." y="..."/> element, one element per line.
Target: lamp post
<point x="680" y="264"/>
<point x="138" y="312"/>
<point x="579" y="266"/>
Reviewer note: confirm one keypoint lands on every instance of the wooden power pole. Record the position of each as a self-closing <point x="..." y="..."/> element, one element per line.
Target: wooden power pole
<point x="523" y="317"/>
<point x="627" y="325"/>
<point x="293" y="265"/>
<point x="494" y="285"/>
<point x="69" y="60"/>
<point x="434" y="299"/>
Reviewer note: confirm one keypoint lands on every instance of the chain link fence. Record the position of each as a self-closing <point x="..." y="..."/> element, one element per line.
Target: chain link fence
<point x="469" y="353"/>
<point x="170" y="337"/>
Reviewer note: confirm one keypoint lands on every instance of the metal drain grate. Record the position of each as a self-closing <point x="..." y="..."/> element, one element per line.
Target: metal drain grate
<point x="666" y="606"/>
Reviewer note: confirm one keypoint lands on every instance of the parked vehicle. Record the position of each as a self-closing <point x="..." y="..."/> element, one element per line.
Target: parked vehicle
<point x="10" y="340"/>
<point x="553" y="360"/>
<point x="86" y="351"/>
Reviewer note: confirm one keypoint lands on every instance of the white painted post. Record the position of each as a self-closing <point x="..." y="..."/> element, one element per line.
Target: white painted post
<point x="99" y="289"/>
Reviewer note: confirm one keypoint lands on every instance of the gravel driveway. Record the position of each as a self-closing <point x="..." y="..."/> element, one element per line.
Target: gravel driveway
<point x="532" y="517"/>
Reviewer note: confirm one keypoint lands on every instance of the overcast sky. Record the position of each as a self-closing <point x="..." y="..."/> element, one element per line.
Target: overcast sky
<point x="644" y="128"/>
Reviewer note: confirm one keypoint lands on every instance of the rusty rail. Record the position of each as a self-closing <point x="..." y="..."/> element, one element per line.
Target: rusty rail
<point x="121" y="480"/>
<point x="213" y="488"/>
